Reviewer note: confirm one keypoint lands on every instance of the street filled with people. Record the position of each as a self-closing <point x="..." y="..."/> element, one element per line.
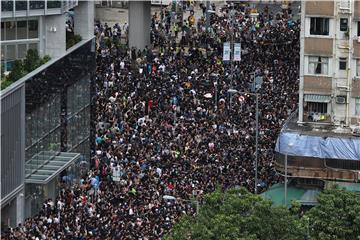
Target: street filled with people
<point x="168" y="130"/>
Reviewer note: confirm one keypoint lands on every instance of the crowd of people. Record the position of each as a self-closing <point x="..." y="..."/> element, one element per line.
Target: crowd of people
<point x="168" y="131"/>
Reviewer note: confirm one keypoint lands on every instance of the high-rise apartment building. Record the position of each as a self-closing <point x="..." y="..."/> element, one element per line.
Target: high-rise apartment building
<point x="322" y="140"/>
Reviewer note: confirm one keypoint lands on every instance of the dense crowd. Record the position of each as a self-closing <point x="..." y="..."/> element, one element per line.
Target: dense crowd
<point x="163" y="128"/>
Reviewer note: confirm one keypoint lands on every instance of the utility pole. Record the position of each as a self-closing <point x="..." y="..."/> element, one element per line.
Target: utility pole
<point x="257" y="143"/>
<point x="285" y="192"/>
<point x="231" y="18"/>
<point x="207" y="15"/>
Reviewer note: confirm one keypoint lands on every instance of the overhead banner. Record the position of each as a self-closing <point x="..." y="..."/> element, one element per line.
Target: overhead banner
<point x="237" y="52"/>
<point x="226" y="53"/>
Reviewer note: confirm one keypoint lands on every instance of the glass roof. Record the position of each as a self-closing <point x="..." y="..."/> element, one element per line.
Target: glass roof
<point x="50" y="167"/>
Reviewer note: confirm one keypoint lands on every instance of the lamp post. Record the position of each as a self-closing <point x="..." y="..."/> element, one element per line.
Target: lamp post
<point x="168" y="197"/>
<point x="234" y="91"/>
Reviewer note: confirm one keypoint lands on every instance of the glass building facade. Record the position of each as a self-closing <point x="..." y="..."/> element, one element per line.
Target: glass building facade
<point x="58" y="115"/>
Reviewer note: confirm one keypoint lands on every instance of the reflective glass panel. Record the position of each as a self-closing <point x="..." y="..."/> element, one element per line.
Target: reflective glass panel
<point x="33" y="29"/>
<point x="7" y="6"/>
<point x="53" y="4"/>
<point x="21" y="29"/>
<point x="37" y="4"/>
<point x="10" y="28"/>
<point x="21" y="51"/>
<point x="20" y="5"/>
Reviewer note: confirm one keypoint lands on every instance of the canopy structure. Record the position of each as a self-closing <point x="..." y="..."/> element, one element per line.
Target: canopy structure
<point x="317" y="98"/>
<point x="49" y="168"/>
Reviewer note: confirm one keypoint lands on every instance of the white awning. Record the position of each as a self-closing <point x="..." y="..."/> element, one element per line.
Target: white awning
<point x="317" y="98"/>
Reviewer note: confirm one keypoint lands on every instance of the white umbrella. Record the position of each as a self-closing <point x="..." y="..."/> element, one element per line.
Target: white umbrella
<point x="168" y="197"/>
<point x="208" y="95"/>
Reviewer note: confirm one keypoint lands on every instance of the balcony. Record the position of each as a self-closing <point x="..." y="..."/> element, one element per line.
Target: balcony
<point x="317" y="117"/>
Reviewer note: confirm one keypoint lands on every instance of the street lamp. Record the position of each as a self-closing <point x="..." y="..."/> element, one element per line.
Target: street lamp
<point x="234" y="91"/>
<point x="168" y="197"/>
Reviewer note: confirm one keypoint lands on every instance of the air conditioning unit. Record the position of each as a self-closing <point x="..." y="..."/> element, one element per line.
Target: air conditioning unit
<point x="341" y="99"/>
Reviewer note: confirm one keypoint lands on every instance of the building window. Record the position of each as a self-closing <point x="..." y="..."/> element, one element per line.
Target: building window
<point x="357" y="106"/>
<point x="358" y="67"/>
<point x="319" y="26"/>
<point x="20" y="5"/>
<point x="7" y="6"/>
<point x="21" y="30"/>
<point x="33" y="29"/>
<point x="343" y="24"/>
<point x="33" y="46"/>
<point x="2" y="31"/>
<point x="318" y="65"/>
<point x="21" y="53"/>
<point x="317" y="107"/>
<point x="53" y="4"/>
<point x="10" y="30"/>
<point x="37" y="4"/>
<point x="342" y="63"/>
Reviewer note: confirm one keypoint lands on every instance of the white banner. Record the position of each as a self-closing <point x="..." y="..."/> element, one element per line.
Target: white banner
<point x="237" y="52"/>
<point x="226" y="53"/>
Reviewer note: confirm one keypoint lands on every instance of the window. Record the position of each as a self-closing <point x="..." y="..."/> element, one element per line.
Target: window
<point x="343" y="24"/>
<point x="37" y="4"/>
<point x="33" y="46"/>
<point x="319" y="26"/>
<point x="2" y="52"/>
<point x="21" y="5"/>
<point x="358" y="29"/>
<point x="2" y="31"/>
<point x="357" y="106"/>
<point x="33" y="29"/>
<point x="7" y="6"/>
<point x="358" y="67"/>
<point x="53" y="4"/>
<point x="342" y="63"/>
<point x="10" y="52"/>
<point x="10" y="28"/>
<point x="317" y="107"/>
<point x="21" y="53"/>
<point x="21" y="30"/>
<point x="318" y="65"/>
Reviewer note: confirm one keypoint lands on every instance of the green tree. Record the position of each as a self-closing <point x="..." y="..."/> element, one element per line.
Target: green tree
<point x="32" y="60"/>
<point x="336" y="217"/>
<point x="17" y="72"/>
<point x="239" y="215"/>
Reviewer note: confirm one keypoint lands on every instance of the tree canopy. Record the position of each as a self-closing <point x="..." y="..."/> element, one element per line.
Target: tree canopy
<point x="336" y="217"/>
<point x="241" y="215"/>
<point x="238" y="214"/>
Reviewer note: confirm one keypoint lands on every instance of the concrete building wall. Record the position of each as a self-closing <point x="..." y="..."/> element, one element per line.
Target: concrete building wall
<point x="84" y="19"/>
<point x="139" y="24"/>
<point x="318" y="46"/>
<point x="55" y="36"/>
<point x="320" y="8"/>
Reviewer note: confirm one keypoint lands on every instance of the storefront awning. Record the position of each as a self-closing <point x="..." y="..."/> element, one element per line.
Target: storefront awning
<point x="317" y="98"/>
<point x="49" y="168"/>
